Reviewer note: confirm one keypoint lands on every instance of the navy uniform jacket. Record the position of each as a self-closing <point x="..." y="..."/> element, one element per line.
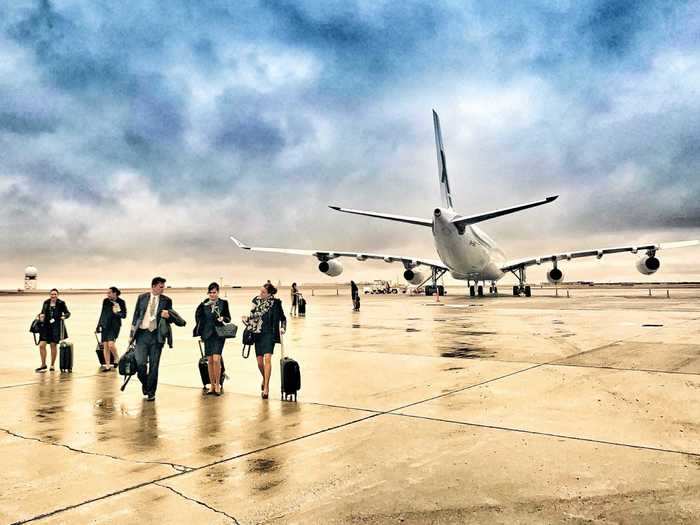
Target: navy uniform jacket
<point x="141" y="310"/>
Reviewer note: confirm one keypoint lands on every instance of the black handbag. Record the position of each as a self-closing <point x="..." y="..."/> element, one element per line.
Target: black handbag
<point x="35" y="330"/>
<point x="248" y="341"/>
<point x="227" y="330"/>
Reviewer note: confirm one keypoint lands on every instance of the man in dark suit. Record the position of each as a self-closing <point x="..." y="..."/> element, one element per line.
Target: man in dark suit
<point x="150" y="308"/>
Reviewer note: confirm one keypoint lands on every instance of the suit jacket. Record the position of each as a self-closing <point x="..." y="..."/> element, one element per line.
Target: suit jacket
<point x="141" y="310"/>
<point x="48" y="328"/>
<point x="108" y="319"/>
<point x="278" y="319"/>
<point x="165" y="332"/>
<point x="205" y="330"/>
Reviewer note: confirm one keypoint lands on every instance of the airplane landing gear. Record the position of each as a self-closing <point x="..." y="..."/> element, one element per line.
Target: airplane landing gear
<point x="472" y="290"/>
<point x="480" y="291"/>
<point x="521" y="288"/>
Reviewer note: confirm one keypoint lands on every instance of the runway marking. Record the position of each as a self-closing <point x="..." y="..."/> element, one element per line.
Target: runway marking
<point x="176" y="466"/>
<point x="550" y="434"/>
<point x="199" y="502"/>
<point x="646" y="370"/>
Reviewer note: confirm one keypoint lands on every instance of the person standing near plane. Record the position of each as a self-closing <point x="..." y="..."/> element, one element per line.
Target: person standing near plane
<point x="268" y="322"/>
<point x="110" y="323"/>
<point x="295" y="299"/>
<point x="150" y="308"/>
<point x="212" y="312"/>
<point x="53" y="312"/>
<point x="355" y="293"/>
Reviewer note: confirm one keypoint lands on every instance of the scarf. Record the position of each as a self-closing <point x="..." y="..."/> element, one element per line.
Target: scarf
<point x="260" y="308"/>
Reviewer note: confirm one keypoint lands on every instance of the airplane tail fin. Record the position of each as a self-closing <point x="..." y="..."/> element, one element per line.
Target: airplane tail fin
<point x="442" y="165"/>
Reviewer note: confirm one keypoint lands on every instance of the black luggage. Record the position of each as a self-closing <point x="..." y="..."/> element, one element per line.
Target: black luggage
<point x="290" y="377"/>
<point x="204" y="369"/>
<point x="127" y="365"/>
<point x="99" y="350"/>
<point x="65" y="356"/>
<point x="301" y="306"/>
<point x="65" y="353"/>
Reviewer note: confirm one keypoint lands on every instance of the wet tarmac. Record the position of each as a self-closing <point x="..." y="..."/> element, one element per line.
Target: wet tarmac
<point x="481" y="410"/>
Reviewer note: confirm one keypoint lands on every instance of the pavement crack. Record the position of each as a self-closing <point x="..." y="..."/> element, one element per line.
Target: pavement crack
<point x="175" y="466"/>
<point x="234" y="520"/>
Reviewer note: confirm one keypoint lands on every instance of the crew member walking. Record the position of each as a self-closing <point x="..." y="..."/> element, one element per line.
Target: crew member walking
<point x="53" y="312"/>
<point x="110" y="323"/>
<point x="150" y="308"/>
<point x="295" y="299"/>
<point x="212" y="312"/>
<point x="268" y="323"/>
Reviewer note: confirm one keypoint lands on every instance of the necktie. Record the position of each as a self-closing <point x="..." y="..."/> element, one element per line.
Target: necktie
<point x="152" y="314"/>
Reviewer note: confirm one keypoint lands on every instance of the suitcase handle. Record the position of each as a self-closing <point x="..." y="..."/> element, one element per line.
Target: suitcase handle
<point x="201" y="352"/>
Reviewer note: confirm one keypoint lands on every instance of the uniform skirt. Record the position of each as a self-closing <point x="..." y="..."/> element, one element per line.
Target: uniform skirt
<point x="110" y="333"/>
<point x="214" y="345"/>
<point x="264" y="344"/>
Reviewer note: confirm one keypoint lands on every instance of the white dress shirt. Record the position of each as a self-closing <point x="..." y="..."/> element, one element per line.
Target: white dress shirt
<point x="147" y="317"/>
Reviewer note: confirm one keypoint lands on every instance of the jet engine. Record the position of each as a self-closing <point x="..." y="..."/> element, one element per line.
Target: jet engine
<point x="648" y="264"/>
<point x="413" y="276"/>
<point x="330" y="268"/>
<point x="555" y="275"/>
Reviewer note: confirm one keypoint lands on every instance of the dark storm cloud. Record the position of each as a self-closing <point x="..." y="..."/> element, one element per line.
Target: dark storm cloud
<point x="222" y="106"/>
<point x="25" y="124"/>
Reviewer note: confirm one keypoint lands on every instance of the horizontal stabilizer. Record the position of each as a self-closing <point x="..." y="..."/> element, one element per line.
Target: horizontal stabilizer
<point x="387" y="216"/>
<point x="472" y="219"/>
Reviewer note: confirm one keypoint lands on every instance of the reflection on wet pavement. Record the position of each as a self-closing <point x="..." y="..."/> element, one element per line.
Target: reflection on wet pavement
<point x="401" y="407"/>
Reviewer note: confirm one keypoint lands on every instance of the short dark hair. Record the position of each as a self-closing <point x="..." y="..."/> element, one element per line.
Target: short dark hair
<point x="116" y="290"/>
<point x="270" y="288"/>
<point x="157" y="280"/>
<point x="213" y="286"/>
<point x="53" y="290"/>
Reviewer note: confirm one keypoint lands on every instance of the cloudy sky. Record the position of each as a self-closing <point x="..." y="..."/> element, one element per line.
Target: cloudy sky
<point x="136" y="136"/>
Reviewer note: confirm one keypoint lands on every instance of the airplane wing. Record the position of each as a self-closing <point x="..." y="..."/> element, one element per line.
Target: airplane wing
<point x="325" y="255"/>
<point x="529" y="261"/>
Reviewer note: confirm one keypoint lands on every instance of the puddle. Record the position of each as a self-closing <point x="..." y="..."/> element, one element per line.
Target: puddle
<point x="651" y="325"/>
<point x="262" y="465"/>
<point x="412" y="330"/>
<point x="466" y="352"/>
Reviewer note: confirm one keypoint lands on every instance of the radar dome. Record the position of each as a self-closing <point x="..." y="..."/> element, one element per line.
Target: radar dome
<point x="31" y="272"/>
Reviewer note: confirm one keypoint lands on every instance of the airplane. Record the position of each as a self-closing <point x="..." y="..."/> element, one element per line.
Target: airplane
<point x="465" y="250"/>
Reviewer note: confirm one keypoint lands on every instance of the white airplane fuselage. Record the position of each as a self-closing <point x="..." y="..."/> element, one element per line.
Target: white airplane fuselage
<point x="470" y="254"/>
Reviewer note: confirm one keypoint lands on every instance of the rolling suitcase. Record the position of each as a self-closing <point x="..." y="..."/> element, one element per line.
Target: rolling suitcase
<point x="99" y="350"/>
<point x="301" y="306"/>
<point x="65" y="353"/>
<point x="127" y="365"/>
<point x="290" y="376"/>
<point x="204" y="369"/>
